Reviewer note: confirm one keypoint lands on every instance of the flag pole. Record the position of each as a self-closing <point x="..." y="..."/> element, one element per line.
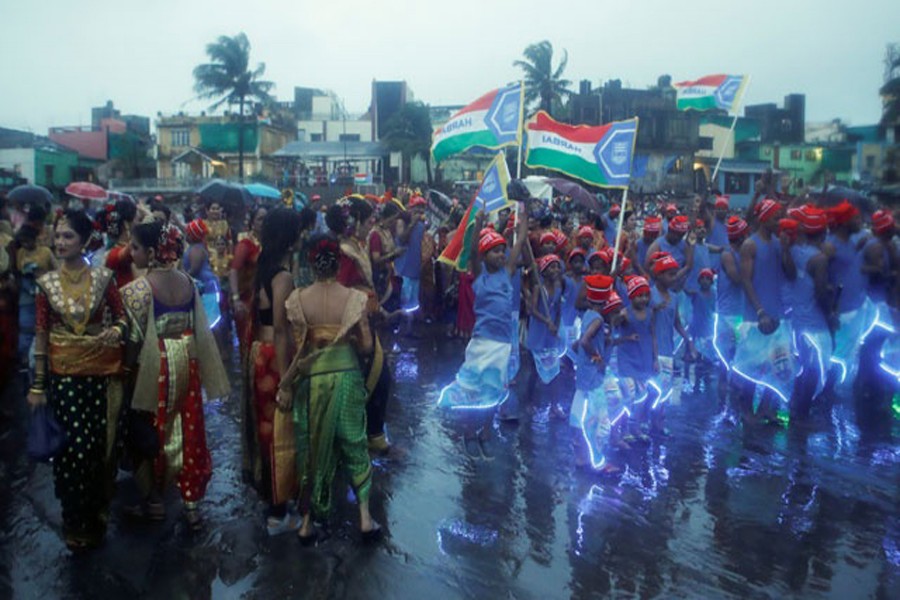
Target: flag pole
<point x="519" y="131"/>
<point x="619" y="231"/>
<point x="730" y="131"/>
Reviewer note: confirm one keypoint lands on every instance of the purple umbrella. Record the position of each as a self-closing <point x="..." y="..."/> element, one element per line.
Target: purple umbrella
<point x="577" y="193"/>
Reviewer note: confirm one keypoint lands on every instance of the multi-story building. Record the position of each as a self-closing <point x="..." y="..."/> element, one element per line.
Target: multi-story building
<point x="198" y="147"/>
<point x="41" y="161"/>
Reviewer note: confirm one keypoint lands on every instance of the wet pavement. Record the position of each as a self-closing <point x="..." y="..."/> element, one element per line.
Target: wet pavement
<point x="712" y="512"/>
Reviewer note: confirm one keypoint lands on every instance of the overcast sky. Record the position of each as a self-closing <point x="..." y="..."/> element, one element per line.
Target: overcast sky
<point x="61" y="57"/>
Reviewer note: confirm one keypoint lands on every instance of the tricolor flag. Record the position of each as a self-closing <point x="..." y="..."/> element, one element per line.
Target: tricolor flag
<point x="491" y="194"/>
<point x="599" y="155"/>
<point x="458" y="250"/>
<point x="712" y="91"/>
<point x="492" y="122"/>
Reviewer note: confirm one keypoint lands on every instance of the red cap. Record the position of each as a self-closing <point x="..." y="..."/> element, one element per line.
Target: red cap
<point x="699" y="223"/>
<point x="812" y="219"/>
<point x="612" y="304"/>
<point x="560" y="240"/>
<point x="417" y="201"/>
<point x="636" y="285"/>
<point x="722" y="201"/>
<point x="736" y="227"/>
<point x="197" y="230"/>
<point x="788" y="226"/>
<point x="606" y="254"/>
<point x="586" y="231"/>
<point x="882" y="222"/>
<point x="598" y="287"/>
<point x="767" y="209"/>
<point x="576" y="252"/>
<point x="652" y="224"/>
<point x="679" y="224"/>
<point x="545" y="261"/>
<point x="706" y="273"/>
<point x="490" y="239"/>
<point x="842" y="213"/>
<point x="547" y="238"/>
<point x="671" y="208"/>
<point x="614" y="210"/>
<point x="666" y="263"/>
<point x="315" y="198"/>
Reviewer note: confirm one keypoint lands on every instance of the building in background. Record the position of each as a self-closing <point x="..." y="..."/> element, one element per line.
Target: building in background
<point x="41" y="161"/>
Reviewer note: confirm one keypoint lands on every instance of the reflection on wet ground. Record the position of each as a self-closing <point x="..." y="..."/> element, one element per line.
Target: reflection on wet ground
<point x="713" y="511"/>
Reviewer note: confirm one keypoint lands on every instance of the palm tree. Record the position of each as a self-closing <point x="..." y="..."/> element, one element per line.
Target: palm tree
<point x="542" y="82"/>
<point x="229" y="79"/>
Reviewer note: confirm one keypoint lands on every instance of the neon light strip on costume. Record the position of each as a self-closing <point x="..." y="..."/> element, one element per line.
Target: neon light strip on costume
<point x="473" y="406"/>
<point x="218" y="318"/>
<point x="876" y="322"/>
<point x="887" y="369"/>
<point x="660" y="398"/>
<point x="587" y="440"/>
<point x="621" y="414"/>
<point x="819" y="356"/>
<point x="837" y="361"/>
<point x="716" y="345"/>
<point x="762" y="383"/>
<point x="411" y="310"/>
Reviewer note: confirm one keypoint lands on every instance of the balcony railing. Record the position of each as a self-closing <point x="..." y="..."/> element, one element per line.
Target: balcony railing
<point x="165" y="185"/>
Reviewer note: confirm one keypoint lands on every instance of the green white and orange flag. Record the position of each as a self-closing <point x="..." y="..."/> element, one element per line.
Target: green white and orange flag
<point x="491" y="122"/>
<point x="491" y="196"/>
<point x="712" y="91"/>
<point x="598" y="155"/>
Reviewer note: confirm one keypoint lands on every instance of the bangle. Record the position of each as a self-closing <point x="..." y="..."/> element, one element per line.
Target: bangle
<point x="36" y="390"/>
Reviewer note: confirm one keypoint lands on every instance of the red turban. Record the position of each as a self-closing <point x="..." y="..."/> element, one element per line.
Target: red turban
<point x="598" y="287"/>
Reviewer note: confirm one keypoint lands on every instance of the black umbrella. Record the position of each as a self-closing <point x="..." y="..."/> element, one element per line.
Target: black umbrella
<point x="233" y="198"/>
<point x="834" y="195"/>
<point x="577" y="193"/>
<point x="30" y="194"/>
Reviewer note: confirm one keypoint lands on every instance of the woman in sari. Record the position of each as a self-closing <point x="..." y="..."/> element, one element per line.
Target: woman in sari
<point x="117" y="222"/>
<point x="242" y="276"/>
<point x="325" y="386"/>
<point x="78" y="359"/>
<point x="268" y="438"/>
<point x="352" y="219"/>
<point x="176" y="356"/>
<point x="382" y="252"/>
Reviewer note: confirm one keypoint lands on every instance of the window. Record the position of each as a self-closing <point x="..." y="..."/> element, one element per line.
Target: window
<point x="181" y="137"/>
<point x="737" y="183"/>
<point x="48" y="174"/>
<point x="348" y="137"/>
<point x="315" y="137"/>
<point x="796" y="155"/>
<point x="870" y="162"/>
<point x="811" y="156"/>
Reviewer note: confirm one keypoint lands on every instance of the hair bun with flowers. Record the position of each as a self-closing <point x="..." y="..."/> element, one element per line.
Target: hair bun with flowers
<point x="169" y="246"/>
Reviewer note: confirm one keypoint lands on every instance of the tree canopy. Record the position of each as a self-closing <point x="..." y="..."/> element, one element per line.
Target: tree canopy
<point x="543" y="83"/>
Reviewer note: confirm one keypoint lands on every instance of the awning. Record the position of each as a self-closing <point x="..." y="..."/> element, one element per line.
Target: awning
<point x="312" y="151"/>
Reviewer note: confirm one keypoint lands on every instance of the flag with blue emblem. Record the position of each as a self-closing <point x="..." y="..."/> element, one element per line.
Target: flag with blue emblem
<point x="491" y="194"/>
<point x="600" y="155"/>
<point x="492" y="122"/>
<point x="712" y="91"/>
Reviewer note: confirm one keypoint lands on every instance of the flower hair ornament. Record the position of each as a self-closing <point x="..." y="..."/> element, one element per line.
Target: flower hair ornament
<point x="324" y="255"/>
<point x="169" y="246"/>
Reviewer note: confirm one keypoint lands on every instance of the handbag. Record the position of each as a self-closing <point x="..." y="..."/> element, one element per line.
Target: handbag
<point x="46" y="436"/>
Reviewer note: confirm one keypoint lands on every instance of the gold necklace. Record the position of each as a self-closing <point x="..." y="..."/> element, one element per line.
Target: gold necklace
<point x="77" y="300"/>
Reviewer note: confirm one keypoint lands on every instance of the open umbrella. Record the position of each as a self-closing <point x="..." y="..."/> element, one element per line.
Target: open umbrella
<point x="576" y="193"/>
<point x="836" y="194"/>
<point x="262" y="190"/>
<point x="86" y="190"/>
<point x="30" y="194"/>
<point x="231" y="197"/>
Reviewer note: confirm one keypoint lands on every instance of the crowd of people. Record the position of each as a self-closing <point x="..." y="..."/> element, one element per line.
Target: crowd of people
<point x="119" y="319"/>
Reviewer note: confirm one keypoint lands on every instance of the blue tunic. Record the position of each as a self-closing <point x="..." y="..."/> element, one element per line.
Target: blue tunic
<point x="767" y="279"/>
<point x="410" y="264"/>
<point x="703" y="305"/>
<point x="636" y="358"/>
<point x="702" y="260"/>
<point x="805" y="312"/>
<point x="208" y="280"/>
<point x="493" y="306"/>
<point x="539" y="337"/>
<point x="569" y="312"/>
<point x="589" y="376"/>
<point x="845" y="269"/>
<point x="664" y="320"/>
<point x="729" y="295"/>
<point x="642" y="247"/>
<point x="676" y="250"/>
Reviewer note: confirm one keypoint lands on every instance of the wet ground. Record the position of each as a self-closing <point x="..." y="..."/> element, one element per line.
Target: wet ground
<point x="712" y="512"/>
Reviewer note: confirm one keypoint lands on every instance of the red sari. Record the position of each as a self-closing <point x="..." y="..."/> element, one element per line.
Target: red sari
<point x="246" y="255"/>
